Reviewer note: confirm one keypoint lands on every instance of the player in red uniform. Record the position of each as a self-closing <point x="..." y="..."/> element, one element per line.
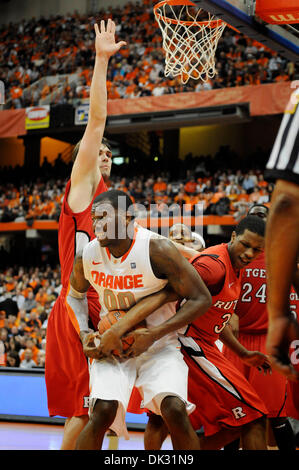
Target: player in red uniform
<point x="227" y="405"/>
<point x="292" y="403"/>
<point x="251" y="311"/>
<point x="66" y="370"/>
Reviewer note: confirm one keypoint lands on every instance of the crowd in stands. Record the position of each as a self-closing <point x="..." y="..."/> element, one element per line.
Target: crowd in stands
<point x="221" y="192"/>
<point x="60" y="45"/>
<point x="26" y="299"/>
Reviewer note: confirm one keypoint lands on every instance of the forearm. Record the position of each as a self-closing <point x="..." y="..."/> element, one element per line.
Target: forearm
<point x="98" y="91"/>
<point x="192" y="309"/>
<point x="227" y="337"/>
<point x="142" y="310"/>
<point x="282" y="244"/>
<point x="76" y="301"/>
<point x="77" y="307"/>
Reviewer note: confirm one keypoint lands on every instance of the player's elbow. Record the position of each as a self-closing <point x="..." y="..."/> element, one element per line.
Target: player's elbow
<point x="208" y="301"/>
<point x="284" y="202"/>
<point x="204" y="300"/>
<point x="97" y="120"/>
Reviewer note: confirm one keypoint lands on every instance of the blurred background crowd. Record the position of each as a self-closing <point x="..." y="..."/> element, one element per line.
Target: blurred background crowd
<point x="219" y="191"/>
<point x="26" y="299"/>
<point x="61" y="48"/>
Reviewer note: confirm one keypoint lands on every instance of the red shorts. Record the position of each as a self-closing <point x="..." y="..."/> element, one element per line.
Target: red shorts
<point x="271" y="388"/>
<point x="66" y="368"/>
<point x="222" y="395"/>
<point x="135" y="402"/>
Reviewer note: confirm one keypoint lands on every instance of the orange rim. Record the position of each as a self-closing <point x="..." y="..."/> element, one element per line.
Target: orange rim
<point x="211" y="24"/>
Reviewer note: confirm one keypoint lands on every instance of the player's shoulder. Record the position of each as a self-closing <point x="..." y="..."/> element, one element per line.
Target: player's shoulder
<point x="89" y="249"/>
<point x="216" y="254"/>
<point x="161" y="245"/>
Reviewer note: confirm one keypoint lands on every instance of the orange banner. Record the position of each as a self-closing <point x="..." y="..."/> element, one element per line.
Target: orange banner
<point x="278" y="11"/>
<point x="152" y="223"/>
<point x="263" y="99"/>
<point x="12" y="122"/>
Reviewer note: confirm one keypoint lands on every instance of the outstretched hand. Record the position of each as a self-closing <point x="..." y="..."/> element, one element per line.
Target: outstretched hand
<point x="105" y="39"/>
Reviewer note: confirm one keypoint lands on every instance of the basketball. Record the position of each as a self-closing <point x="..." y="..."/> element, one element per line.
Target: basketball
<point x="110" y="319"/>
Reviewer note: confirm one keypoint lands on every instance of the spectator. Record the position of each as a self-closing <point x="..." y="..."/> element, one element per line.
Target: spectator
<point x="41" y="359"/>
<point x="248" y="183"/>
<point x="12" y="359"/>
<point x="30" y="302"/>
<point x="27" y="362"/>
<point x="29" y="345"/>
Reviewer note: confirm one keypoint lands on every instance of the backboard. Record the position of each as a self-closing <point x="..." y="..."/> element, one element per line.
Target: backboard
<point x="241" y="14"/>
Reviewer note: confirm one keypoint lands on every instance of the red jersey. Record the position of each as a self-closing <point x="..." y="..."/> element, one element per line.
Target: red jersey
<point x="210" y="325"/>
<point x="252" y="305"/>
<point x="66" y="369"/>
<point x="74" y="232"/>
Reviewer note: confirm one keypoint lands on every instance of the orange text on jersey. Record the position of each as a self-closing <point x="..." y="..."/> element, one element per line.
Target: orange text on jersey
<point x="117" y="282"/>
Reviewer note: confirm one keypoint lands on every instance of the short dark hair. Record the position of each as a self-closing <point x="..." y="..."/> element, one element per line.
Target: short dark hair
<point x="253" y="223"/>
<point x="258" y="205"/>
<point x="112" y="196"/>
<point x="77" y="146"/>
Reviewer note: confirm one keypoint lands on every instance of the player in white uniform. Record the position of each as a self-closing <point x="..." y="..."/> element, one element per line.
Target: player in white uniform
<point x="124" y="268"/>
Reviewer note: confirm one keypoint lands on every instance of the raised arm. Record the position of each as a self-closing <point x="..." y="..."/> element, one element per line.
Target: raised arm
<point x="86" y="174"/>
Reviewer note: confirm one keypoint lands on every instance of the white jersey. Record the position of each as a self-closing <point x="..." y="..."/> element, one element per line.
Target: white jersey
<point x="122" y="282"/>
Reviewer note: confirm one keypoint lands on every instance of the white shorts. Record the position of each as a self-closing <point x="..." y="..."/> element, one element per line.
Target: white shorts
<point x="157" y="373"/>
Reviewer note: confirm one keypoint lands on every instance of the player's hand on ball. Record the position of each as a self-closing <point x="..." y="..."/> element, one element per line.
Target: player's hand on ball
<point x="90" y="349"/>
<point x="105" y="39"/>
<point x="143" y="339"/>
<point x="111" y="343"/>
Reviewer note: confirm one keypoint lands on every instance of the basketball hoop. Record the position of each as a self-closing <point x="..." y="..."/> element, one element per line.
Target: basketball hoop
<point x="190" y="39"/>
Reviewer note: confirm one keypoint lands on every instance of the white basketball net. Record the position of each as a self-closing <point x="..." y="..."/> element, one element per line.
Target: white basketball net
<point x="189" y="48"/>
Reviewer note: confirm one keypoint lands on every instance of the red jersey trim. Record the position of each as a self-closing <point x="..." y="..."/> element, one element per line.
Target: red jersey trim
<point x="71" y="312"/>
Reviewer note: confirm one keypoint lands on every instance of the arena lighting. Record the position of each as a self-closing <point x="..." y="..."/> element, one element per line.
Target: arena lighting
<point x="118" y="160"/>
<point x="225" y="114"/>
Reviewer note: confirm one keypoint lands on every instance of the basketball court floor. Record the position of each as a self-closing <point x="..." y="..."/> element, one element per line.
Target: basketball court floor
<point x="27" y="436"/>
